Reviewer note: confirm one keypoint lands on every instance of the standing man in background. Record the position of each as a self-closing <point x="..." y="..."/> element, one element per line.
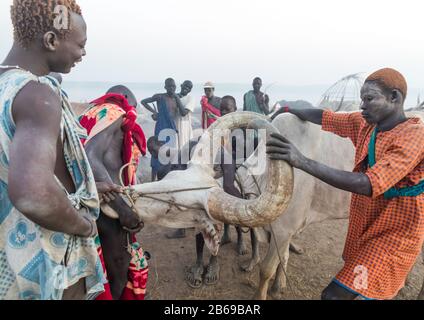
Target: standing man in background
<point x="210" y="106"/>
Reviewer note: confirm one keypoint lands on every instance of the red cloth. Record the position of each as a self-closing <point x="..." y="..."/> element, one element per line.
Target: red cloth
<point x="209" y="113"/>
<point x="133" y="134"/>
<point x="132" y="131"/>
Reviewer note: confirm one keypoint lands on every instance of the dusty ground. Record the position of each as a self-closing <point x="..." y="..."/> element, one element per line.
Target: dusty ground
<point x="308" y="274"/>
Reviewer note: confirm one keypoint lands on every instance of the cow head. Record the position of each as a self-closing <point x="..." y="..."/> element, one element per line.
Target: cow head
<point x="193" y="198"/>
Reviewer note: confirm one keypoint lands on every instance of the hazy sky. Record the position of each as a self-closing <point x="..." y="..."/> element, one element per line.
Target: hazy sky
<point x="290" y="42"/>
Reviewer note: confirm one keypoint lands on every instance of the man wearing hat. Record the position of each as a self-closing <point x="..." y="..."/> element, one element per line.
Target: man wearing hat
<point x="386" y="223"/>
<point x="210" y="106"/>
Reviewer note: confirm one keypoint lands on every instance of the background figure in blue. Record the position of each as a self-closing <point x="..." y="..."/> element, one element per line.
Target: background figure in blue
<point x="169" y="107"/>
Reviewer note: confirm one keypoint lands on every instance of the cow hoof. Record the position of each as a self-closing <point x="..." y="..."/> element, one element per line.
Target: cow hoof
<point x="250" y="266"/>
<point x="296" y="249"/>
<point x="212" y="274"/>
<point x="194" y="277"/>
<point x="276" y="293"/>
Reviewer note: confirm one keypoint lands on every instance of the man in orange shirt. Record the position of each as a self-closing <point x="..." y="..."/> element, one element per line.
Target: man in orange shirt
<point x="386" y="227"/>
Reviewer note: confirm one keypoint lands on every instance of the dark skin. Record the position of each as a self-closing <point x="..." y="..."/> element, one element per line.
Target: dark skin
<point x="37" y="114"/>
<point x="105" y="154"/>
<point x="186" y="88"/>
<point x="229" y="176"/>
<point x="261" y="98"/>
<point x="175" y="107"/>
<point x="380" y="107"/>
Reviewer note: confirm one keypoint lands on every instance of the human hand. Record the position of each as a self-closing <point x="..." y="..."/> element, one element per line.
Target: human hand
<point x="279" y="148"/>
<point x="108" y="191"/>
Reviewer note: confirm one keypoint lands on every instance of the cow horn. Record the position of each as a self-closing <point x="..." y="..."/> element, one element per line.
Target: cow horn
<point x="276" y="194"/>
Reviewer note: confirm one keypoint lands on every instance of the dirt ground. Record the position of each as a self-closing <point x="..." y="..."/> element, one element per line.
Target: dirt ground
<point x="308" y="274"/>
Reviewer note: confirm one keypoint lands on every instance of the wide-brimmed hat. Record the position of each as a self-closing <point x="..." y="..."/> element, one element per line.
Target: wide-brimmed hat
<point x="209" y="85"/>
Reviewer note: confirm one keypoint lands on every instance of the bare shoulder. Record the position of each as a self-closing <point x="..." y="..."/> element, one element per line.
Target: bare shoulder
<point x="37" y="103"/>
<point x="105" y="139"/>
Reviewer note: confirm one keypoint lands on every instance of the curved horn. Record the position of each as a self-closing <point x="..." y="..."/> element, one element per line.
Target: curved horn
<point x="275" y="196"/>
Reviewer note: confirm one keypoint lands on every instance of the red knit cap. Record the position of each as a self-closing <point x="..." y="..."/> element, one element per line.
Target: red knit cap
<point x="391" y="78"/>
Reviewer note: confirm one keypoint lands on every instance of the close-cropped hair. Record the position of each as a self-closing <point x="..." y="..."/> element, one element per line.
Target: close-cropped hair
<point x="33" y="18"/>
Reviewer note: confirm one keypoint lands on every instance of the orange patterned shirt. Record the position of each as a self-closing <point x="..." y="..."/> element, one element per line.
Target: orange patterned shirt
<point x="385" y="237"/>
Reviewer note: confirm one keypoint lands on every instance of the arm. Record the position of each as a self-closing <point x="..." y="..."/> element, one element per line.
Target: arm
<point x="183" y="111"/>
<point x="33" y="189"/>
<point x="310" y="115"/>
<point x="146" y="102"/>
<point x="96" y="150"/>
<point x="264" y="104"/>
<point x="279" y="148"/>
<point x="244" y="102"/>
<point x="229" y="175"/>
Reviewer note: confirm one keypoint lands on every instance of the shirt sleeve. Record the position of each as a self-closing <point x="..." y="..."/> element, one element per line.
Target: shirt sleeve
<point x="406" y="153"/>
<point x="343" y="124"/>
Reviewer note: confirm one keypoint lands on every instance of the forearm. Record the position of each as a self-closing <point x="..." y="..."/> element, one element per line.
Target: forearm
<point x="148" y="107"/>
<point x="183" y="111"/>
<point x="310" y="115"/>
<point x="265" y="108"/>
<point x="232" y="190"/>
<point x="47" y="205"/>
<point x="101" y="174"/>
<point x="357" y="183"/>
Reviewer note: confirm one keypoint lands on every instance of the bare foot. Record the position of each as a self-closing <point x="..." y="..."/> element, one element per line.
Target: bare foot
<point x="212" y="274"/>
<point x="241" y="249"/>
<point x="194" y="277"/>
<point x="177" y="234"/>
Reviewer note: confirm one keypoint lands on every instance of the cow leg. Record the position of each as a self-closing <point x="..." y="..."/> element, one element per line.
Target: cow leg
<point x="255" y="253"/>
<point x="194" y="276"/>
<point x="268" y="269"/>
<point x="226" y="238"/>
<point x="280" y="281"/>
<point x="241" y="247"/>
<point x="114" y="241"/>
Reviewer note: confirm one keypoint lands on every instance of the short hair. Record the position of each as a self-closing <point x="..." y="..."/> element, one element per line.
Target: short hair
<point x="188" y="83"/>
<point x="32" y="18"/>
<point x="230" y="98"/>
<point x="257" y="78"/>
<point x="169" y="80"/>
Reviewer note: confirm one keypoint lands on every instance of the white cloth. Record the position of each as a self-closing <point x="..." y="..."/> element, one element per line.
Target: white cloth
<point x="184" y="124"/>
